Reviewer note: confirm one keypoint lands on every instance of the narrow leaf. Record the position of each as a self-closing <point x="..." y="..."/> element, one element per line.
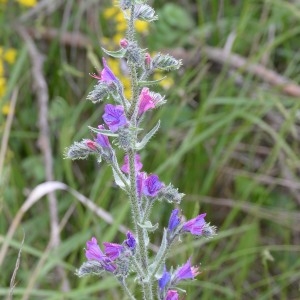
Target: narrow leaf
<point x="147" y="137"/>
<point x="117" y="54"/>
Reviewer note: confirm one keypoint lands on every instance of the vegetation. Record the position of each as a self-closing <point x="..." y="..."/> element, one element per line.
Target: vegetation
<point x="229" y="140"/>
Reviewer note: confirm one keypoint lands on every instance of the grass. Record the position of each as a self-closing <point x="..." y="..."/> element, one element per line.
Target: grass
<point x="228" y="140"/>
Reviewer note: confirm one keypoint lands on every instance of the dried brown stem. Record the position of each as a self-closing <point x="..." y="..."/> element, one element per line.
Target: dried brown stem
<point x="41" y="91"/>
<point x="218" y="55"/>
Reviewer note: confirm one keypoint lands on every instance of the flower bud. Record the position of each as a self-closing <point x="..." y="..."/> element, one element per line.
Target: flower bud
<point x="148" y="61"/>
<point x="134" y="53"/>
<point x="124" y="43"/>
<point x="171" y="194"/>
<point x="125" y="4"/>
<point x="81" y="150"/>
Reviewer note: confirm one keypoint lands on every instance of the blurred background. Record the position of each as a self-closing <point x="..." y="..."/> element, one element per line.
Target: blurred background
<point x="229" y="140"/>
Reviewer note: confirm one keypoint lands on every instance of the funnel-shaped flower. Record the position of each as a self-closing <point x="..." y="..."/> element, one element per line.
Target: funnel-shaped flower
<point x="152" y="185"/>
<point x="174" y="220"/>
<point x="172" y="295"/>
<point x="195" y="226"/>
<point x="114" y="117"/>
<point x="106" y="75"/>
<point x="164" y="280"/>
<point x="185" y="272"/>
<point x="102" y="139"/>
<point x="112" y="250"/>
<point x="130" y="241"/>
<point x="146" y="101"/>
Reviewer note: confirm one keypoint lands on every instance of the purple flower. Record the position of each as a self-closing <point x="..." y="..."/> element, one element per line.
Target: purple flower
<point x="140" y="179"/>
<point x="195" y="226"/>
<point x="93" y="251"/>
<point x="146" y="101"/>
<point x="114" y="117"/>
<point x="172" y="295"/>
<point x="164" y="280"/>
<point x="112" y="250"/>
<point x="137" y="164"/>
<point x="106" y="75"/>
<point x="174" y="220"/>
<point x="130" y="242"/>
<point x="152" y="185"/>
<point x="185" y="272"/>
<point x="102" y="139"/>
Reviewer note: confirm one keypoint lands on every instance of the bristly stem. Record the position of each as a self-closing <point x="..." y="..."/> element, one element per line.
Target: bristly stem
<point x="126" y="289"/>
<point x="137" y="213"/>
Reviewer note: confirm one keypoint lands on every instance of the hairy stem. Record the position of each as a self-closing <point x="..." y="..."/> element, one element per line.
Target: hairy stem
<point x="135" y="207"/>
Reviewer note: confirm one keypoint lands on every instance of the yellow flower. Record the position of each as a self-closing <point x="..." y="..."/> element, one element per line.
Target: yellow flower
<point x="110" y="12"/>
<point x="117" y="37"/>
<point x="141" y="26"/>
<point x="127" y="87"/>
<point x="2" y="86"/>
<point x="5" y="109"/>
<point x="120" y="17"/>
<point x="10" y="55"/>
<point x="3" y="1"/>
<point x="28" y="3"/>
<point x="121" y="26"/>
<point x="1" y="67"/>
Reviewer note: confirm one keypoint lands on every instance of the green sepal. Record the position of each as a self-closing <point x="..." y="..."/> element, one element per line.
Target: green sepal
<point x="148" y="226"/>
<point x="103" y="131"/>
<point x="116" y="54"/>
<point x="151" y="82"/>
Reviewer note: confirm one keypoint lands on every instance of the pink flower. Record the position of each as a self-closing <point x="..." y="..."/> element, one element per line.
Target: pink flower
<point x="146" y="101"/>
<point x="172" y="295"/>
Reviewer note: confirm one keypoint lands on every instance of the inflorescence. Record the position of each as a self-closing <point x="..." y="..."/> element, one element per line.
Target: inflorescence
<point x="122" y="129"/>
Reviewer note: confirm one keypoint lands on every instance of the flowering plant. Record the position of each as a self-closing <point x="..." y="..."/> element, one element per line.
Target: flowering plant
<point x="122" y="128"/>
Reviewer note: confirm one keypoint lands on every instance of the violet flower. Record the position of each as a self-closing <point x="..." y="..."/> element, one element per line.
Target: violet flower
<point x="174" y="220"/>
<point x="172" y="295"/>
<point x="152" y="185"/>
<point x="114" y="117"/>
<point x="112" y="250"/>
<point x="146" y="101"/>
<point x="137" y="164"/>
<point x="195" y="226"/>
<point x="130" y="241"/>
<point x="106" y="75"/>
<point x="102" y="139"/>
<point x="185" y="272"/>
<point x="93" y="252"/>
<point x="164" y="280"/>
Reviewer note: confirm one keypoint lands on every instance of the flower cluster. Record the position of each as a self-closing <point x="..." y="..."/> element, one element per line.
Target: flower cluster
<point x="26" y="3"/>
<point x="120" y="130"/>
<point x="7" y="58"/>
